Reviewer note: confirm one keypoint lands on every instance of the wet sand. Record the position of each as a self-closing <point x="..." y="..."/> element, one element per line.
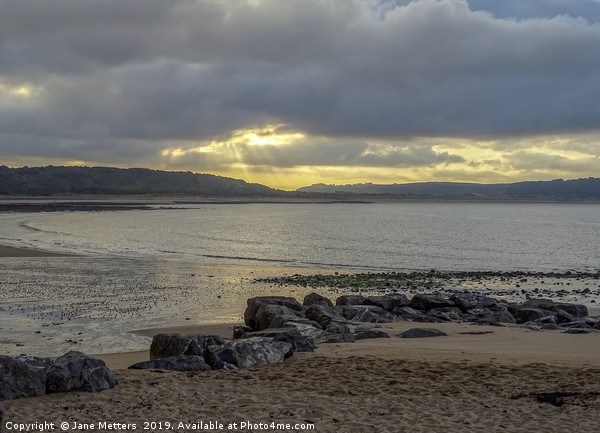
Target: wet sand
<point x="27" y="252"/>
<point x="503" y="380"/>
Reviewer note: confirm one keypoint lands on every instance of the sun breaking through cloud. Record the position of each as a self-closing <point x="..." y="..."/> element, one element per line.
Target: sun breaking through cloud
<point x="291" y="93"/>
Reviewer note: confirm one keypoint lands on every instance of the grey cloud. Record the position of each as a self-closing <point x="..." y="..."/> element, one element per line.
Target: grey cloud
<point x="150" y="71"/>
<point x="532" y="161"/>
<point x="318" y="153"/>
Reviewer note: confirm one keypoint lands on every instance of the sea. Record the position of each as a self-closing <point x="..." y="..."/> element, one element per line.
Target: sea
<point x="542" y="237"/>
<point x="178" y="265"/>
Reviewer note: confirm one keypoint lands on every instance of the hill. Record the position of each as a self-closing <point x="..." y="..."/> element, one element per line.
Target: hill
<point x="53" y="180"/>
<point x="558" y="189"/>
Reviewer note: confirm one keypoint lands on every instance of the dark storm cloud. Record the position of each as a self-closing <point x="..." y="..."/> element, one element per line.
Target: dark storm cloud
<point x="116" y="71"/>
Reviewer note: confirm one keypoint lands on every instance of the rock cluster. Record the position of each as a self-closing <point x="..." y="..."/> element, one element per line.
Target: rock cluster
<point x="317" y="319"/>
<point x="210" y="352"/>
<point x="28" y="376"/>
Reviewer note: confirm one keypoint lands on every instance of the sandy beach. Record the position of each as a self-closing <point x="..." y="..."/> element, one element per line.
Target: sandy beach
<point x="475" y="379"/>
<point x="478" y="378"/>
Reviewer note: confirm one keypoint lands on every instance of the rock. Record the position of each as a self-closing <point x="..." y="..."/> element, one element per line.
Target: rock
<point x="580" y="331"/>
<point x="335" y="338"/>
<point x="80" y="372"/>
<point x="316" y="299"/>
<point x="367" y="313"/>
<point x="547" y="320"/>
<point x="338" y="328"/>
<point x="176" y="363"/>
<point x="550" y="327"/>
<point x="34" y="361"/>
<point x="20" y="379"/>
<point x="254" y="304"/>
<point x="305" y="329"/>
<point x="350" y="300"/>
<point x="323" y="315"/>
<point x="448" y="314"/>
<point x="468" y="301"/>
<point x="484" y="316"/>
<point x="288" y="335"/>
<point x="422" y="333"/>
<point x="576" y="310"/>
<point x="387" y="302"/>
<point x="247" y="352"/>
<point x="361" y="333"/>
<point x="170" y="345"/>
<point x="524" y="314"/>
<point x="265" y="314"/>
<point x="428" y="301"/>
<point x="407" y="313"/>
<point x="577" y="324"/>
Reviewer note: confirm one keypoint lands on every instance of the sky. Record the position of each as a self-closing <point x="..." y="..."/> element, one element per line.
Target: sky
<point x="294" y="92"/>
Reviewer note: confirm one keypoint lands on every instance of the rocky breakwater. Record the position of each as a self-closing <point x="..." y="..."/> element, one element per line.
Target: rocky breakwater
<point x="277" y="326"/>
<point x="28" y="376"/>
<point x="318" y="320"/>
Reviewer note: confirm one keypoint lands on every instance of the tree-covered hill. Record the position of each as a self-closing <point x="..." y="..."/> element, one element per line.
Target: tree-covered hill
<point x="53" y="180"/>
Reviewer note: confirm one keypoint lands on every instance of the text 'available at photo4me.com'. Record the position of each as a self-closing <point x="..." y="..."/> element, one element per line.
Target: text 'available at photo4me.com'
<point x="156" y="426"/>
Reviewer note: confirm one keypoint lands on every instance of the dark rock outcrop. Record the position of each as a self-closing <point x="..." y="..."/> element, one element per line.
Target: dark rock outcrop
<point x="78" y="371"/>
<point x="387" y="302"/>
<point x="247" y="353"/>
<point x="251" y="314"/>
<point x="524" y="314"/>
<point x="175" y="363"/>
<point x="429" y="301"/>
<point x="367" y="313"/>
<point x="288" y="335"/>
<point x="422" y="333"/>
<point x="169" y="345"/>
<point x="361" y="333"/>
<point x="575" y="310"/>
<point x="323" y="315"/>
<point x="316" y="299"/>
<point x="19" y="379"/>
<point x="350" y="300"/>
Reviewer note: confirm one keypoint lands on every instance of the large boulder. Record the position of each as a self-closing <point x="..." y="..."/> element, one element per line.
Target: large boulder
<point x="387" y="302"/>
<point x="254" y="304"/>
<point x="486" y="316"/>
<point x="169" y="345"/>
<point x="361" y="333"/>
<point x="323" y="315"/>
<point x="80" y="372"/>
<point x="265" y="315"/>
<point x="307" y="330"/>
<point x="422" y="333"/>
<point x="316" y="299"/>
<point x="247" y="352"/>
<point x="288" y="335"/>
<point x="291" y="321"/>
<point x="576" y="310"/>
<point x="350" y="300"/>
<point x="524" y="314"/>
<point x="175" y="363"/>
<point x="448" y="314"/>
<point x="429" y="301"/>
<point x="469" y="301"/>
<point x="407" y="313"/>
<point x="367" y="313"/>
<point x="19" y="378"/>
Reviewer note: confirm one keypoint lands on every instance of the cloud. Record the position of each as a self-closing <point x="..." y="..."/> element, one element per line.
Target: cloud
<point x="122" y="80"/>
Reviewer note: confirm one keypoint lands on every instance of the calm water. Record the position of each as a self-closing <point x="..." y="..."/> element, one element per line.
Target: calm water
<point x="445" y="236"/>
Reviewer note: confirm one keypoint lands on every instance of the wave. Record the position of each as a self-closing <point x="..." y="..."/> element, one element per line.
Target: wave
<point x="28" y="227"/>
